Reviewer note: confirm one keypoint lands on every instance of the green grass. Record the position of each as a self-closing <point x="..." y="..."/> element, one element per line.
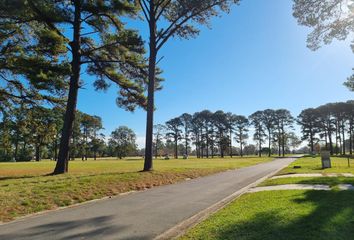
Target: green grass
<point x="25" y="188"/>
<point x="313" y="165"/>
<point x="331" y="181"/>
<point x="290" y="215"/>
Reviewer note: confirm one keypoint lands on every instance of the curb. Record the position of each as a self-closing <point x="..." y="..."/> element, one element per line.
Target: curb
<point x="181" y="228"/>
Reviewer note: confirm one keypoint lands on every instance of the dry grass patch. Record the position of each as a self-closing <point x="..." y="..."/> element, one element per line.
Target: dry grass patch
<point x="23" y="190"/>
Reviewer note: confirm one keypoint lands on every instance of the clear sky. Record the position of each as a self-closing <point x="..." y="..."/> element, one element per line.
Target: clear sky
<point x="252" y="59"/>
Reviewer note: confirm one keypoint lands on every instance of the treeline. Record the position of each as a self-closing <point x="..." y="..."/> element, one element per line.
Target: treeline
<point x="331" y="125"/>
<point x="212" y="134"/>
<point x="33" y="132"/>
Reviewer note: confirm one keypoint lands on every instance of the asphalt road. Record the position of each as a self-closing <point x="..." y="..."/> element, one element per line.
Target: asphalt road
<point x="141" y="215"/>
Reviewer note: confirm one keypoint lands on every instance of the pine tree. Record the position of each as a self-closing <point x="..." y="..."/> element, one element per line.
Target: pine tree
<point x="95" y="41"/>
<point x="167" y="19"/>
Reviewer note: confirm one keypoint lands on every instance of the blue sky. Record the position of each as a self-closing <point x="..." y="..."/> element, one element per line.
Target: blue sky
<point x="252" y="59"/>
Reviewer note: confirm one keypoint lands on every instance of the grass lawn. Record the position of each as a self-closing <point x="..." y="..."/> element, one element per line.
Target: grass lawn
<point x="290" y="215"/>
<point x="331" y="181"/>
<point x="313" y="165"/>
<point x="112" y="165"/>
<point x="25" y="188"/>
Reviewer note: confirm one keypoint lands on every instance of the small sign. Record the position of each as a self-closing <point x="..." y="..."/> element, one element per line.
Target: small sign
<point x="326" y="159"/>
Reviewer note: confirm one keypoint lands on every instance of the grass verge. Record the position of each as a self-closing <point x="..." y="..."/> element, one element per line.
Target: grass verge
<point x="291" y="215"/>
<point x="313" y="165"/>
<point x="331" y="181"/>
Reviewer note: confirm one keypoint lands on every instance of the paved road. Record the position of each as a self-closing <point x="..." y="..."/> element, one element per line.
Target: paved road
<point x="141" y="215"/>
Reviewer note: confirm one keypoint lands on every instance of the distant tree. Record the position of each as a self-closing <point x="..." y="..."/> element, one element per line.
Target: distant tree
<point x="159" y="131"/>
<point x="186" y="120"/>
<point x="97" y="145"/>
<point x="339" y="116"/>
<point x="167" y="19"/>
<point x="292" y="140"/>
<point x="90" y="125"/>
<point x="197" y="132"/>
<point x="309" y="122"/>
<point x="350" y="118"/>
<point x="206" y="119"/>
<point x="42" y="128"/>
<point x="327" y="125"/>
<point x="220" y="121"/>
<point x="57" y="113"/>
<point x="5" y="138"/>
<point x="173" y="127"/>
<point x="231" y="122"/>
<point x="19" y="128"/>
<point x="268" y="120"/>
<point x="330" y="19"/>
<point x="241" y="129"/>
<point x="258" y="136"/>
<point x="250" y="149"/>
<point x="123" y="141"/>
<point x="283" y="122"/>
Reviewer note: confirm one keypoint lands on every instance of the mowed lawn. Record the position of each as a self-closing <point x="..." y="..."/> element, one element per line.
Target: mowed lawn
<point x="313" y="165"/>
<point x="282" y="215"/>
<point x="25" y="188"/>
<point x="288" y="214"/>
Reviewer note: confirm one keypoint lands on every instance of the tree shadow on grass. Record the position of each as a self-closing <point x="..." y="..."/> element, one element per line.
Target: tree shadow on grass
<point x="331" y="219"/>
<point x="22" y="177"/>
<point x="93" y="228"/>
<point x="331" y="181"/>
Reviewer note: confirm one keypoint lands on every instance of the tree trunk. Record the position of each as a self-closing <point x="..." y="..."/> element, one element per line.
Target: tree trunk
<point x="351" y="138"/>
<point x="283" y="144"/>
<point x="221" y="145"/>
<point x="207" y="142"/>
<point x="326" y="140"/>
<point x="230" y="143"/>
<point x="62" y="163"/>
<point x="186" y="138"/>
<point x="279" y="143"/>
<point x="343" y="138"/>
<point x="330" y="142"/>
<point x="260" y="149"/>
<point x="37" y="153"/>
<point x="16" y="148"/>
<point x="269" y="139"/>
<point x="311" y="142"/>
<point x="176" y="147"/>
<point x="148" y="165"/>
<point x="336" y="139"/>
